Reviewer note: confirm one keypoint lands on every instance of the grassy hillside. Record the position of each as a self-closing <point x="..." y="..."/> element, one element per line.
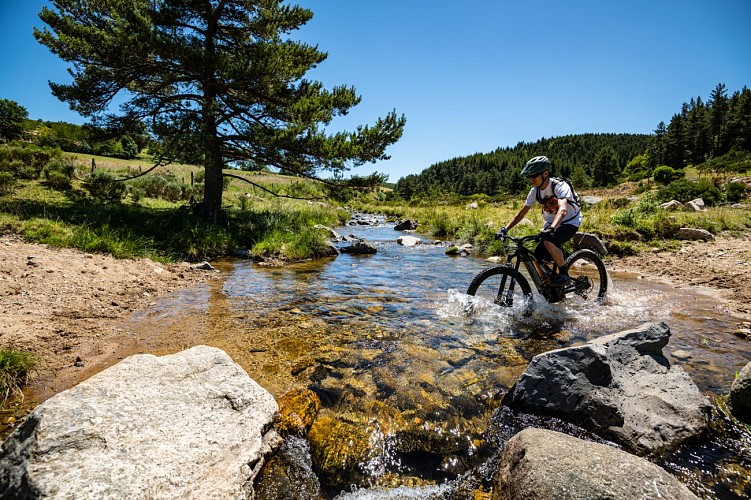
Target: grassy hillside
<point x="150" y="216"/>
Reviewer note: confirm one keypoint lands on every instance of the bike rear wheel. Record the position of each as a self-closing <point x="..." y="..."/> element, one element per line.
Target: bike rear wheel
<point x="503" y="286"/>
<point x="589" y="278"/>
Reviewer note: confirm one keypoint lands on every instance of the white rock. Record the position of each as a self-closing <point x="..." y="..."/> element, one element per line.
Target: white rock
<point x="408" y="241"/>
<point x="189" y="425"/>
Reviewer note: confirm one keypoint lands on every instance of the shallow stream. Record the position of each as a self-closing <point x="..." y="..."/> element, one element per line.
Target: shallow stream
<point x="409" y="380"/>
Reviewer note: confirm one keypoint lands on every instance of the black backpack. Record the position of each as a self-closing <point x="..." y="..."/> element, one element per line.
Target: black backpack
<point x="556" y="180"/>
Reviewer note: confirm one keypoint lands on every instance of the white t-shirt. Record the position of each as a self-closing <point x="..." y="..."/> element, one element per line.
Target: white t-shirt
<point x="550" y="203"/>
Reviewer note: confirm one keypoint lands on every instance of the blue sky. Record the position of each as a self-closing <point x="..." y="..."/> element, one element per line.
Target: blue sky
<point x="474" y="75"/>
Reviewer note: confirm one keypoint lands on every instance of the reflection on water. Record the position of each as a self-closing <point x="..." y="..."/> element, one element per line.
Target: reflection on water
<point x="409" y="374"/>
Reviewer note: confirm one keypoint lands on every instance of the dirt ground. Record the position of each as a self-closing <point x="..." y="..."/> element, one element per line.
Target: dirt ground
<point x="66" y="306"/>
<point x="720" y="268"/>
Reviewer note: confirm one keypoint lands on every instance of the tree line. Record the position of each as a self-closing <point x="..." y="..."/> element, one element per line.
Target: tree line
<point x="585" y="158"/>
<point x="702" y="131"/>
<point x="714" y="135"/>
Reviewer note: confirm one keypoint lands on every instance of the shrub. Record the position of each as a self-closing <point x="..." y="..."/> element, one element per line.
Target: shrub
<point x="165" y="186"/>
<point x="58" y="180"/>
<point x="734" y="191"/>
<point x="685" y="190"/>
<point x="665" y="175"/>
<point x="136" y="193"/>
<point x="620" y="202"/>
<point x="7" y="183"/>
<point x="622" y="248"/>
<point x="59" y="173"/>
<point x="103" y="185"/>
<point x="173" y="191"/>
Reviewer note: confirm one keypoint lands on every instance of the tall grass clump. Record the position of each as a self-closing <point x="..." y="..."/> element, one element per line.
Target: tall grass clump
<point x="286" y="230"/>
<point x="647" y="218"/>
<point x="15" y="370"/>
<point x="291" y="246"/>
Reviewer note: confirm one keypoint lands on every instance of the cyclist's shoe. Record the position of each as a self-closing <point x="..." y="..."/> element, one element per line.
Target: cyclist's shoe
<point x="560" y="279"/>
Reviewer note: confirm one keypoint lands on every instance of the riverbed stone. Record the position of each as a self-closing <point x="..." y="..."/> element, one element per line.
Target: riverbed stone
<point x="406" y="225"/>
<point x="188" y="425"/>
<point x="297" y="410"/>
<point x="359" y="247"/>
<point x="408" y="241"/>
<point x="740" y="395"/>
<point x="619" y="386"/>
<point x="545" y="464"/>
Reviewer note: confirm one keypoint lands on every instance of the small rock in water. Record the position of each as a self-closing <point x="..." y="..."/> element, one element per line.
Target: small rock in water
<point x="682" y="354"/>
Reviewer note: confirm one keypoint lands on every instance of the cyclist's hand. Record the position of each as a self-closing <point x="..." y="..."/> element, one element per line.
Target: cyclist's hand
<point x="501" y="234"/>
<point x="547" y="233"/>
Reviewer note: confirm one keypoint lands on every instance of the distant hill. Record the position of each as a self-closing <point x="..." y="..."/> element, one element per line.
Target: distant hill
<point x="497" y="172"/>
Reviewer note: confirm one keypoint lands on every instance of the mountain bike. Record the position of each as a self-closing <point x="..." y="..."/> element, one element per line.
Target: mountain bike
<point x="505" y="285"/>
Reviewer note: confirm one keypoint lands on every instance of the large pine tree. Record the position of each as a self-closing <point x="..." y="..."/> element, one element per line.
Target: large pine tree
<point x="218" y="80"/>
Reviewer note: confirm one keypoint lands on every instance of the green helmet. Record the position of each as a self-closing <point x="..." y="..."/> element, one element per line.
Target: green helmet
<point x="537" y="165"/>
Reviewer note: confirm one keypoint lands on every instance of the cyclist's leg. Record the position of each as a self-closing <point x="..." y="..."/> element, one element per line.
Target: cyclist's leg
<point x="544" y="259"/>
<point x="553" y="245"/>
<point x="542" y="253"/>
<point x="564" y="233"/>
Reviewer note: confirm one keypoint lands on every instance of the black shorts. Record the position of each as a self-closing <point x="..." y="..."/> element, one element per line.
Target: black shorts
<point x="564" y="233"/>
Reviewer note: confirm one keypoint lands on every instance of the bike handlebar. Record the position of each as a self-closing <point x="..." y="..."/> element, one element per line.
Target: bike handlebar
<point x="523" y="239"/>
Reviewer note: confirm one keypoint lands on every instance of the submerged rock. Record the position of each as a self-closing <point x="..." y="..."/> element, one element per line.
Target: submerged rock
<point x="359" y="247"/>
<point x="619" y="386"/>
<point x="289" y="474"/>
<point x="740" y="395"/>
<point x="544" y="464"/>
<point x="189" y="425"/>
<point x="297" y="411"/>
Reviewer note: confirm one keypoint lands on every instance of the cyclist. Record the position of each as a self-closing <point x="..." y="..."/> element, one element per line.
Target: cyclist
<point x="561" y="214"/>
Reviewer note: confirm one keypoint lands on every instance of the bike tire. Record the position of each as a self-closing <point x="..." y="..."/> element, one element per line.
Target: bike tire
<point x="589" y="277"/>
<point x="493" y="284"/>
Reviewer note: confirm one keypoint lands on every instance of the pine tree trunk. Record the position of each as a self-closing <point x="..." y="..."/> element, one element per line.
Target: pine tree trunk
<point x="212" y="195"/>
<point x="211" y="207"/>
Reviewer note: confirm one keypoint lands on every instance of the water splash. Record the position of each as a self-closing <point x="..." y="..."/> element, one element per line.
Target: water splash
<point x="401" y="493"/>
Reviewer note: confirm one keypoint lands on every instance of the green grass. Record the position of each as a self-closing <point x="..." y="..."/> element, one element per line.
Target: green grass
<point x="280" y="228"/>
<point x="167" y="230"/>
<point x="15" y="369"/>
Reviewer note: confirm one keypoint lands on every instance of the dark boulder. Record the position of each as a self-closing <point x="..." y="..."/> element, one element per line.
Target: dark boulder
<point x="620" y="387"/>
<point x="740" y="395"/>
<point x="406" y="225"/>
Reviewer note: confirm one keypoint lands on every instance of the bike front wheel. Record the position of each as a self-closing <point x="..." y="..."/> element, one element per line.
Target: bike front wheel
<point x="503" y="286"/>
<point x="589" y="278"/>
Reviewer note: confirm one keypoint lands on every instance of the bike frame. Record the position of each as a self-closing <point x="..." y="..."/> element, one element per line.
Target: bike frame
<point x="522" y="254"/>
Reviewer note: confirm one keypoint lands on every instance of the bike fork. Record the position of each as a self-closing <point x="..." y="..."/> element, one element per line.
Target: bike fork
<point x="510" y="292"/>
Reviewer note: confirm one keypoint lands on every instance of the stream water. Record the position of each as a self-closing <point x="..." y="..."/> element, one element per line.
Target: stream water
<point x="410" y="382"/>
